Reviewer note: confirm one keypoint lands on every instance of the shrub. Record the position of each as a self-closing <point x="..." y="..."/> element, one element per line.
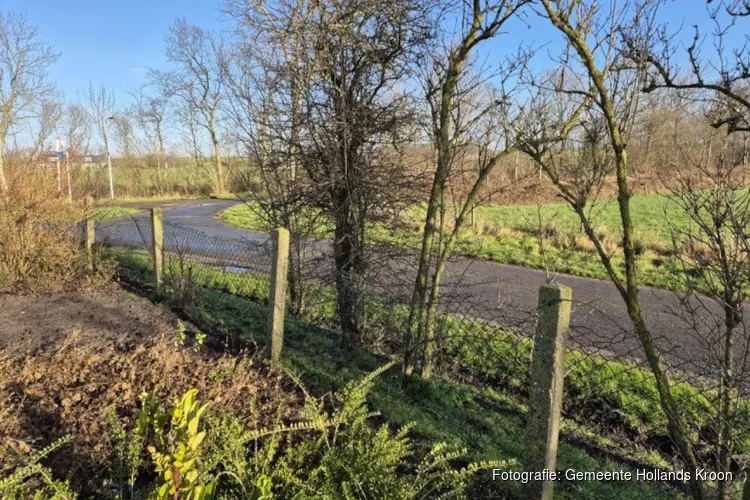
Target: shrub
<point x="33" y="477"/>
<point x="332" y="452"/>
<point x="347" y="458"/>
<point x="40" y="243"/>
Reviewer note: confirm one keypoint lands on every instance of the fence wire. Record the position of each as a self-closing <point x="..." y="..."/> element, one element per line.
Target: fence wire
<point x="192" y="258"/>
<point x="484" y="338"/>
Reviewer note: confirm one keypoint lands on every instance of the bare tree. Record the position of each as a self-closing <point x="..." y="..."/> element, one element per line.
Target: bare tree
<point x="265" y="74"/>
<point x="102" y="108"/>
<point x="76" y="129"/>
<point x="717" y="206"/>
<point x="151" y="111"/>
<point x="458" y="121"/>
<point x="191" y="138"/>
<point x="358" y="116"/>
<point x="197" y="81"/>
<point x="125" y="136"/>
<point x="24" y="60"/>
<point x="604" y="86"/>
<point x="725" y="72"/>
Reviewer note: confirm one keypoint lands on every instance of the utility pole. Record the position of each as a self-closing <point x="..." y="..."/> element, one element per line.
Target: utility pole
<point x="61" y="156"/>
<point x="109" y="159"/>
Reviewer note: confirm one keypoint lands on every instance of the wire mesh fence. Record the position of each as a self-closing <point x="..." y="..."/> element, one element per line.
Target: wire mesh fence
<point x="192" y="259"/>
<point x="484" y="339"/>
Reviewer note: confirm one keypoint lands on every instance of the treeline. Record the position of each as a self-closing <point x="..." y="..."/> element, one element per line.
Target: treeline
<point x="352" y="111"/>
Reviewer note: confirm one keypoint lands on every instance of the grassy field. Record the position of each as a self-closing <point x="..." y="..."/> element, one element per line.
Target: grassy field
<point x="487" y="423"/>
<point x="115" y="212"/>
<point x="651" y="215"/>
<point x="511" y="235"/>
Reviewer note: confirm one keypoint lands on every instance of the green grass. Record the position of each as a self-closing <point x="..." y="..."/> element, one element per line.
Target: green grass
<point x="488" y="425"/>
<point x="510" y="235"/>
<point x="650" y="213"/>
<point x="623" y="394"/>
<point x="109" y="213"/>
<point x="185" y="180"/>
<point x="243" y="215"/>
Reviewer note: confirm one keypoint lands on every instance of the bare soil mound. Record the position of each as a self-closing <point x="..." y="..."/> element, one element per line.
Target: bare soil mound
<point x="68" y="359"/>
<point x="31" y="322"/>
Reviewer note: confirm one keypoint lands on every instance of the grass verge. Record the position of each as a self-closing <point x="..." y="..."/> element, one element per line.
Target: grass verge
<point x="490" y="425"/>
<point x="110" y="213"/>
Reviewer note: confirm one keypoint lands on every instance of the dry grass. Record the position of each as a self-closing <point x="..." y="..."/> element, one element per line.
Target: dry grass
<point x="70" y="390"/>
<point x="40" y="246"/>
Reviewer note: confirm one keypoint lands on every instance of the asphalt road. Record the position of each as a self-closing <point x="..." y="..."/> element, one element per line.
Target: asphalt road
<point x="686" y="333"/>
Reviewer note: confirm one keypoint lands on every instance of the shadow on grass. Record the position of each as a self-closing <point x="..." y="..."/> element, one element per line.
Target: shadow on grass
<point x="441" y="410"/>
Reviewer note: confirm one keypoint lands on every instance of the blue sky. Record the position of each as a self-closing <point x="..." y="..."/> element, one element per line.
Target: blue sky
<point x="108" y="41"/>
<point x="112" y="42"/>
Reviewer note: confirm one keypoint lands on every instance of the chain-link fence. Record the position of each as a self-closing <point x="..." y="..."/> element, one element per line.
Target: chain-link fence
<point x="191" y="259"/>
<point x="483" y="338"/>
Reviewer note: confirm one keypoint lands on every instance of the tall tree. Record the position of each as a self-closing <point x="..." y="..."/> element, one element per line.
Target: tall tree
<point x="603" y="87"/>
<point x="24" y="61"/>
<point x="266" y="74"/>
<point x="125" y="136"/>
<point x="358" y="115"/>
<point x="102" y="108"/>
<point x="198" y="81"/>
<point x="151" y="111"/>
<point x="76" y="129"/>
<point x="455" y="119"/>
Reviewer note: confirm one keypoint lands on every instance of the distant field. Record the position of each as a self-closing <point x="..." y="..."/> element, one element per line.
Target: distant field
<point x="510" y="234"/>
<point x="652" y="215"/>
<point x="109" y="213"/>
<point x="139" y="182"/>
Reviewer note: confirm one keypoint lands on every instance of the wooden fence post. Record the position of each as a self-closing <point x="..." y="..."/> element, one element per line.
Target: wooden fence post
<point x="278" y="291"/>
<point x="546" y="387"/>
<point x="157" y="241"/>
<point x="90" y="233"/>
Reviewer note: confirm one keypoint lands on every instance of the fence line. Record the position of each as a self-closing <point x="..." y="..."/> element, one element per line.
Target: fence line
<point x="608" y="392"/>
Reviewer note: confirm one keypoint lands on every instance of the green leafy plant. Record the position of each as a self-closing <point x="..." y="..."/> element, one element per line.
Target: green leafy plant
<point x="33" y="480"/>
<point x="176" y="449"/>
<point x="128" y="456"/>
<point x="345" y="457"/>
<point x="181" y="334"/>
<point x="182" y="337"/>
<point x="200" y="339"/>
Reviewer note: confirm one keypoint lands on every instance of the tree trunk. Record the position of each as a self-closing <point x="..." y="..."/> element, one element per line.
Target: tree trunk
<point x="732" y="318"/>
<point x="161" y="176"/>
<point x="417" y="304"/>
<point x="677" y="424"/>
<point x="296" y="286"/>
<point x="349" y="262"/>
<point x="725" y="427"/>
<point x="217" y="155"/>
<point x="430" y="321"/>
<point x="219" y="167"/>
<point x="629" y="291"/>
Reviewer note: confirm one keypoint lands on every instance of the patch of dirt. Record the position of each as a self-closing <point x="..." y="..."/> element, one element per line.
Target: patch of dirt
<point x="31" y="322"/>
<point x="68" y="359"/>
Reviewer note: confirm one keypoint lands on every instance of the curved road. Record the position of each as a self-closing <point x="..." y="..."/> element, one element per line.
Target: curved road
<point x="685" y="332"/>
